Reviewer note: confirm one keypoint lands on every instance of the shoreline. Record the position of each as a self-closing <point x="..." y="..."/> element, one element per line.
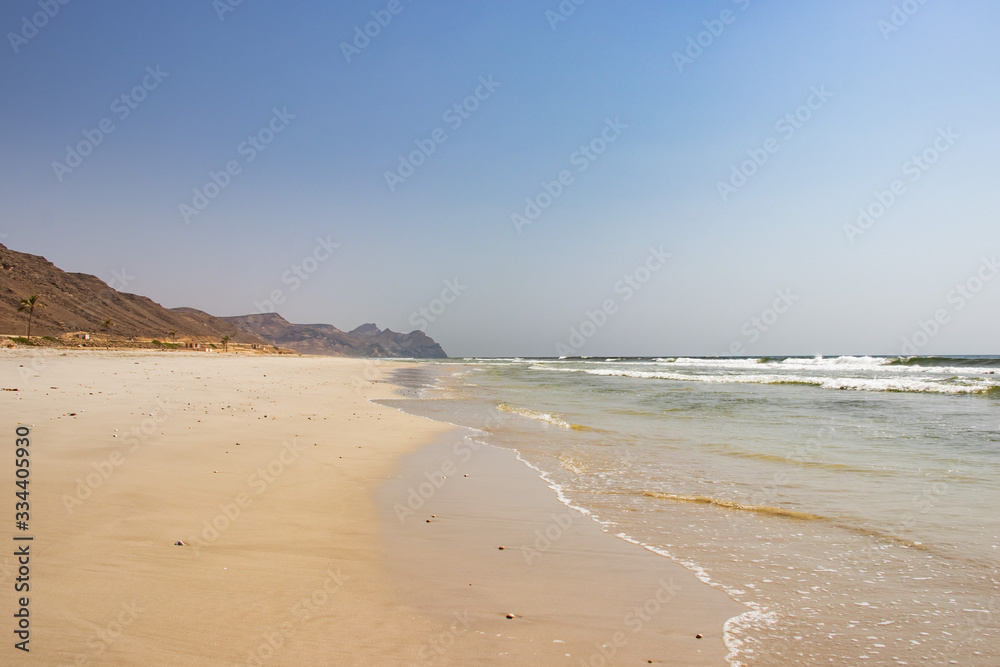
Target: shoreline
<point x="577" y="594"/>
<point x="784" y="498"/>
<point x="272" y="471"/>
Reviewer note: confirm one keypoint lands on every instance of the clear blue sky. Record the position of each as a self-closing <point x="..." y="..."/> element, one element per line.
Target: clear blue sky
<point x="679" y="128"/>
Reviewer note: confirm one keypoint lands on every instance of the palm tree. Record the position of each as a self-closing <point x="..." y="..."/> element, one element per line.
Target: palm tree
<point x="172" y="334"/>
<point x="29" y="305"/>
<point x="225" y="343"/>
<point x="106" y="325"/>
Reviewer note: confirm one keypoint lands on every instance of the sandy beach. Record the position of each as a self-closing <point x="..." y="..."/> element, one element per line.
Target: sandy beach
<point x="577" y="595"/>
<point x="280" y="479"/>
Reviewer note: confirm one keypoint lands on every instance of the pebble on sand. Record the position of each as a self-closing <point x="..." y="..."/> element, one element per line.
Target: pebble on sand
<point x="178" y="543"/>
<point x="510" y="615"/>
<point x="501" y="548"/>
<point x="698" y="636"/>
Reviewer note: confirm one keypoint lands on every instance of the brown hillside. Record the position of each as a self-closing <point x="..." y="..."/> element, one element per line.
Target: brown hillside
<point x="72" y="302"/>
<point x="80" y="302"/>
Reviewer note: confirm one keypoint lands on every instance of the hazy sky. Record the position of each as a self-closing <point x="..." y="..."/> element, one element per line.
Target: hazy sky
<point x="209" y="148"/>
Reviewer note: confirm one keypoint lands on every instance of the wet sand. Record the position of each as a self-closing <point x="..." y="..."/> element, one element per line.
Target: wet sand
<point x="578" y="596"/>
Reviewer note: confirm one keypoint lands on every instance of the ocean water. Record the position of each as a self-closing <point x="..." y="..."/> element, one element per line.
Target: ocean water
<point x="851" y="503"/>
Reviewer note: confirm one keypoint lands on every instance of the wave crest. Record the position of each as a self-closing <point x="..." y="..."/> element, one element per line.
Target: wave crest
<point x="538" y="415"/>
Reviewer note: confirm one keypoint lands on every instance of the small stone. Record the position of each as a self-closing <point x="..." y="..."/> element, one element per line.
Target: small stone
<point x="428" y="520"/>
<point x="178" y="543"/>
<point x="502" y="548"/>
<point x="510" y="615"/>
<point x="697" y="636"/>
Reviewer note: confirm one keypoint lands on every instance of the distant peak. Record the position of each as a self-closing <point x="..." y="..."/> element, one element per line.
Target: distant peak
<point x="368" y="329"/>
<point x="257" y="319"/>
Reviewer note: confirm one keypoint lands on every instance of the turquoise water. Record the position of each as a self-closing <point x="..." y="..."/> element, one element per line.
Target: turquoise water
<point x="849" y="502"/>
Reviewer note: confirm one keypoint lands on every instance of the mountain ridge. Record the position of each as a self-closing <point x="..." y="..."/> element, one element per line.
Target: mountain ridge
<point x="79" y="302"/>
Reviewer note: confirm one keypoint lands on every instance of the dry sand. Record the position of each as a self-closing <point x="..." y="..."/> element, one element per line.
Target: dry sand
<point x="285" y="559"/>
